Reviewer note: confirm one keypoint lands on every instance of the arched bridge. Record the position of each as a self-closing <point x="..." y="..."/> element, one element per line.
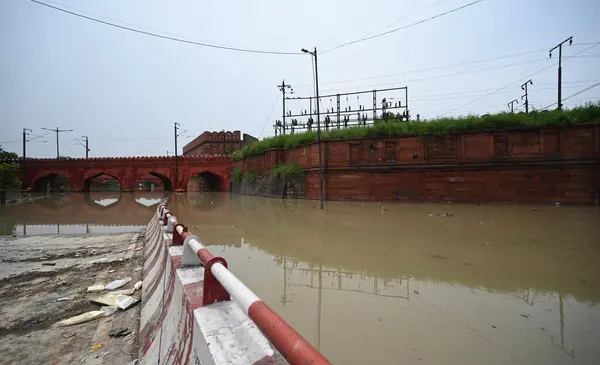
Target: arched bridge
<point x="213" y="170"/>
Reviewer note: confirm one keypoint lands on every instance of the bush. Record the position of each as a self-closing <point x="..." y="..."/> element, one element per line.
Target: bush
<point x="238" y="174"/>
<point x="471" y="123"/>
<point x="286" y="169"/>
<point x="251" y="176"/>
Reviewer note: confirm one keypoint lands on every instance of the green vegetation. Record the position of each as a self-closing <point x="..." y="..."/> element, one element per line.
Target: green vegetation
<point x="251" y="176"/>
<point x="9" y="173"/>
<point x="286" y="169"/>
<point x="470" y="123"/>
<point x="238" y="174"/>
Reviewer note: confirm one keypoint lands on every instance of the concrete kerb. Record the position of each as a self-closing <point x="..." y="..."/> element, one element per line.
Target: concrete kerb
<point x="176" y="328"/>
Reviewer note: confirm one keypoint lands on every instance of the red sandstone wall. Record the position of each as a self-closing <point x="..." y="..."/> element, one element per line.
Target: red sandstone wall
<point x="536" y="165"/>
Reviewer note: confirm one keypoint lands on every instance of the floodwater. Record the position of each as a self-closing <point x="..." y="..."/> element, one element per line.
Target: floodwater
<point x="387" y="284"/>
<point x="83" y="213"/>
<point x="399" y="284"/>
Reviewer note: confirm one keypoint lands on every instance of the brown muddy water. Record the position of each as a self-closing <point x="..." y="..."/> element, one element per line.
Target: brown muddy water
<point x="407" y="284"/>
<point x="387" y="284"/>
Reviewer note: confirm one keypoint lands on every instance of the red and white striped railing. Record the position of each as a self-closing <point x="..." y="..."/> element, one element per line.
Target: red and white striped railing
<point x="220" y="284"/>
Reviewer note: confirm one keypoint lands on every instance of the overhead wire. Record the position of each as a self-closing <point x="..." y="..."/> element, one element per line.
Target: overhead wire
<point x="415" y="13"/>
<point x="573" y="95"/>
<point x="441" y="67"/>
<point x="401" y="28"/>
<point x="269" y="117"/>
<point x="519" y="80"/>
<point x="171" y="38"/>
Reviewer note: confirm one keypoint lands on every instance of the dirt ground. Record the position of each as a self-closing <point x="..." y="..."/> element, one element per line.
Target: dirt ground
<point x="37" y="271"/>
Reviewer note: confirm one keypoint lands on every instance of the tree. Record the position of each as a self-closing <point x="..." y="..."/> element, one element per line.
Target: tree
<point x="9" y="173"/>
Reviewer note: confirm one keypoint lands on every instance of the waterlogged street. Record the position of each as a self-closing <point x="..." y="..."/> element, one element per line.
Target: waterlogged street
<point x="371" y="283"/>
<point x="417" y="283"/>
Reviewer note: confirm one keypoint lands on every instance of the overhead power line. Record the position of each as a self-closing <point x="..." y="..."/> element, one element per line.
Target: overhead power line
<point x="444" y="66"/>
<point x="409" y="15"/>
<point x="401" y="28"/>
<point x="171" y="38"/>
<point x="573" y="95"/>
<point x="519" y="80"/>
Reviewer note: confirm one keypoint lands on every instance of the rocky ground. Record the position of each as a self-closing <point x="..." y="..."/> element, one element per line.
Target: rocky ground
<point x="44" y="279"/>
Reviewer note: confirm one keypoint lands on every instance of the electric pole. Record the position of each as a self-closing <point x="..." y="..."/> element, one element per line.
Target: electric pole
<point x="510" y="105"/>
<point x="559" y="46"/>
<point x="526" y="96"/>
<point x="86" y="145"/>
<point x="57" y="131"/>
<point x="314" y="54"/>
<point x="176" y="125"/>
<point x="26" y="132"/>
<point x="282" y="88"/>
<point x="176" y="167"/>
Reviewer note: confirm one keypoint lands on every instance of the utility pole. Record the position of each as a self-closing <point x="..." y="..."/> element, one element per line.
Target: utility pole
<point x="282" y="88"/>
<point x="57" y="131"/>
<point x="559" y="46"/>
<point x="176" y="125"/>
<point x="510" y="105"/>
<point x="314" y="54"/>
<point x="86" y="145"/>
<point x="176" y="167"/>
<point x="526" y="96"/>
<point x="26" y="132"/>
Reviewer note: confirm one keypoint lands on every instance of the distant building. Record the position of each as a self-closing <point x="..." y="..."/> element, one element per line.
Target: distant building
<point x="218" y="143"/>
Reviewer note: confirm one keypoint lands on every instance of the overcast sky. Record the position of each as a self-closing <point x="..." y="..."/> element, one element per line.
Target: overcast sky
<point x="124" y="90"/>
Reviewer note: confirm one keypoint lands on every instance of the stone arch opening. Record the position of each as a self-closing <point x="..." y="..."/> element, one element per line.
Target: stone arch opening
<point x="205" y="181"/>
<point x="51" y="183"/>
<point x="153" y="181"/>
<point x="102" y="182"/>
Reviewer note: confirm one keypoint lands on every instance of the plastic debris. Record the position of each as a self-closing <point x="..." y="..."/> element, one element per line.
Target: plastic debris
<point x="68" y="335"/>
<point x="63" y="299"/>
<point x="109" y="311"/>
<point x="129" y="336"/>
<point x="117" y="283"/>
<point x="96" y="347"/>
<point x="139" y="249"/>
<point x="138" y="285"/>
<point x="138" y="269"/>
<point x="119" y="332"/>
<point x="49" y="263"/>
<point x="120" y="301"/>
<point x="95" y="288"/>
<point x="123" y="291"/>
<point x="82" y="318"/>
<point x="111" y="271"/>
<point x="524" y="315"/>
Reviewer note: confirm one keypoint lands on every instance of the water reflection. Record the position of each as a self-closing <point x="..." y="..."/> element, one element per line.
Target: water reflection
<point x="376" y="284"/>
<point x="83" y="213"/>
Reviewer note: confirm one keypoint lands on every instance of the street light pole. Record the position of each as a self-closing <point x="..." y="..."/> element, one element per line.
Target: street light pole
<point x="559" y="46"/>
<point x="314" y="54"/>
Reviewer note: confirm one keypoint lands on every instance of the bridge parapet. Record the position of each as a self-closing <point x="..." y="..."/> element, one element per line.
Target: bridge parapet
<point x="127" y="170"/>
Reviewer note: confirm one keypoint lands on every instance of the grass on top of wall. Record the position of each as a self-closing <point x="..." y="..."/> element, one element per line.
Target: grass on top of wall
<point x="470" y="123"/>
